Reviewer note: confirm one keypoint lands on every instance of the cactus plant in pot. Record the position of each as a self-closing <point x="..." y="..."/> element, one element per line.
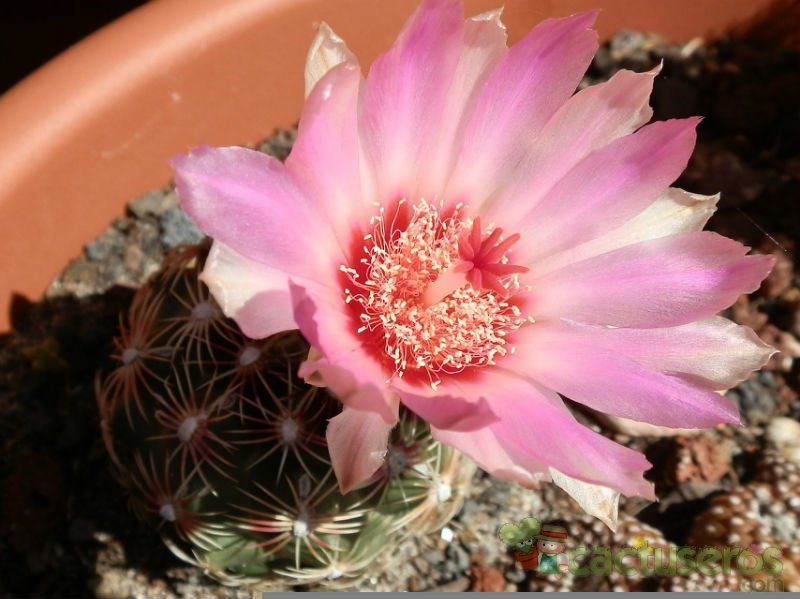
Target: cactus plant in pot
<point x="223" y="440"/>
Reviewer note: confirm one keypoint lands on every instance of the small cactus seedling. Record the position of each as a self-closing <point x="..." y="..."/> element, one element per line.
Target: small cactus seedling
<point x="222" y="446"/>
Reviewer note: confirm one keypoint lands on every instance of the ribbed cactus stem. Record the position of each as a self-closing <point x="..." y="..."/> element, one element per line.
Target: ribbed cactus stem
<point x="223" y="448"/>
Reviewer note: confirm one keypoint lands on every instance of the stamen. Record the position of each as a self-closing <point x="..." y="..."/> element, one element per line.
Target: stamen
<point x="436" y="291"/>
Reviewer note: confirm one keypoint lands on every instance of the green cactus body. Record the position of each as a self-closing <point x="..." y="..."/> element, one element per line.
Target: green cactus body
<point x="223" y="447"/>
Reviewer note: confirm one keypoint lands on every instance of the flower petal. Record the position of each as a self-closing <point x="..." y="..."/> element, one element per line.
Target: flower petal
<point x="535" y="429"/>
<point x="357" y="442"/>
<point x="491" y="455"/>
<point x="343" y="366"/>
<point x="532" y="80"/>
<point x="404" y="96"/>
<point x="677" y="211"/>
<point x="716" y="352"/>
<point x="657" y="283"/>
<point x="321" y="317"/>
<point x="632" y="428"/>
<point x="596" y="500"/>
<point x="483" y="45"/>
<point x="254" y="295"/>
<point x="341" y="382"/>
<point x="570" y="361"/>
<point x="449" y="412"/>
<point x="325" y="156"/>
<point x="588" y="121"/>
<point x="248" y="201"/>
<point x="553" y="436"/>
<point x="327" y="51"/>
<point x="607" y="188"/>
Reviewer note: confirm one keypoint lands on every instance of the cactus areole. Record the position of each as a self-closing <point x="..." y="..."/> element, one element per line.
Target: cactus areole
<point x="223" y="448"/>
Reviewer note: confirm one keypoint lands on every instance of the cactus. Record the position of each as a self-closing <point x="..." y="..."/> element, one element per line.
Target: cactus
<point x="223" y="448"/>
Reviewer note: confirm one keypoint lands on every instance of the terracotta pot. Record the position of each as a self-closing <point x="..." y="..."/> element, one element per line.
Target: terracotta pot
<point x="95" y="127"/>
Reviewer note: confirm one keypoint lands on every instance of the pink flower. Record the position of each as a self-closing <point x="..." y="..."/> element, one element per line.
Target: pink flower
<point x="459" y="233"/>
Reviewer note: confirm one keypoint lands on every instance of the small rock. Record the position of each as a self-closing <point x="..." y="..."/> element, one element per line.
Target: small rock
<point x="422" y="566"/>
<point x="179" y="229"/>
<point x="433" y="557"/>
<point x="459" y="585"/>
<point x="784" y="432"/>
<point x="458" y="557"/>
<point x="280" y="144"/>
<point x="154" y="203"/>
<point x="105" y="246"/>
<point x="699" y="459"/>
<point x="133" y="258"/>
<point x="515" y="575"/>
<point x="754" y="399"/>
<point x="486" y="580"/>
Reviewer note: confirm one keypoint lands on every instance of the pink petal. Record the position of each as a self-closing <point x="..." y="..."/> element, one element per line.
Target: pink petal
<point x="405" y="94"/>
<point x="321" y="316"/>
<point x="553" y="436"/>
<point x="248" y="201"/>
<point x="532" y="80"/>
<point x="483" y="44"/>
<point x="536" y="429"/>
<point x="607" y="188"/>
<point x="342" y="383"/>
<point x="449" y="412"/>
<point x="716" y="352"/>
<point x="344" y="366"/>
<point x="662" y="282"/>
<point x="491" y="455"/>
<point x="588" y="121"/>
<point x="357" y="442"/>
<point x="575" y="361"/>
<point x="325" y="157"/>
<point x="676" y="211"/>
<point x="254" y="295"/>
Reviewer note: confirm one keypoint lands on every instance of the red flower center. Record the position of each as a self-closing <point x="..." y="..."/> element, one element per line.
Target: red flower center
<point x="436" y="290"/>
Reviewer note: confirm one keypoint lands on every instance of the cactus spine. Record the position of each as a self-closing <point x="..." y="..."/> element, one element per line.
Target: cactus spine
<point x="223" y="448"/>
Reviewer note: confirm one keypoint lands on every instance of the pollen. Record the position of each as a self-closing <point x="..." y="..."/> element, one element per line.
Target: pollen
<point x="437" y="292"/>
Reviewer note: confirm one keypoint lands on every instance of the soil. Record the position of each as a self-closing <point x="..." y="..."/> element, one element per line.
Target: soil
<point x="66" y="531"/>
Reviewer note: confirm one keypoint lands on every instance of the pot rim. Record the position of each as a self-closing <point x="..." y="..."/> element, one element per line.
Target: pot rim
<point x="93" y="128"/>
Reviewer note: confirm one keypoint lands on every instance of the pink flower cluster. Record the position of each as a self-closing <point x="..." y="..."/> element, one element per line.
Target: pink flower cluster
<point x="461" y="233"/>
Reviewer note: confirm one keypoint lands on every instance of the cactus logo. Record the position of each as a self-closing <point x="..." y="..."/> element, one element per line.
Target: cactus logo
<point x="536" y="546"/>
<point x="543" y="548"/>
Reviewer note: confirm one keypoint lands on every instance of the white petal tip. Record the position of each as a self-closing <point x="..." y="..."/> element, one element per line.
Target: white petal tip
<point x="327" y="51"/>
<point x="596" y="500"/>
